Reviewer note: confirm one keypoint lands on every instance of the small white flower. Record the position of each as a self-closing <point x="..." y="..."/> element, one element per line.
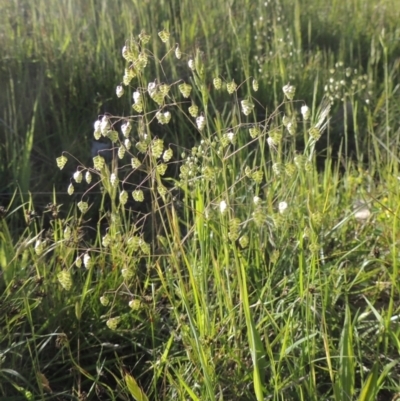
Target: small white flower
<point x="282" y="207"/>
<point x="256" y="200"/>
<point x="222" y="207"/>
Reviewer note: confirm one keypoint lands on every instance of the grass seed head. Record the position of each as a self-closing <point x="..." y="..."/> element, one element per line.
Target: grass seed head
<point x="289" y="91"/>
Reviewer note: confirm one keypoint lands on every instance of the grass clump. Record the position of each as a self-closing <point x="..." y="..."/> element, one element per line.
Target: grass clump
<point x="206" y="254"/>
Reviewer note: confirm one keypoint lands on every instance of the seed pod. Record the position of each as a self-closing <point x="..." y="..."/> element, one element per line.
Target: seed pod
<point x="119" y="90"/>
<point x="217" y="83"/>
<point x="185" y="89"/>
<point x="231" y="87"/>
<point x="83" y="207"/>
<point x="178" y="53"/>
<point x="164" y="35"/>
<point x="255" y="85"/>
<point x="201" y="122"/>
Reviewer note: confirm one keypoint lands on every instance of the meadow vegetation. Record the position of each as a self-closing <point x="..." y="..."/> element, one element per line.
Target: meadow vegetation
<point x="233" y="235"/>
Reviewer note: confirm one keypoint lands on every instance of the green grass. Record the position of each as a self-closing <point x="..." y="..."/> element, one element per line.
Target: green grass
<point x="217" y="258"/>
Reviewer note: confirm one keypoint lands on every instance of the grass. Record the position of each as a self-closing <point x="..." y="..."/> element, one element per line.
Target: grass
<point x="218" y="256"/>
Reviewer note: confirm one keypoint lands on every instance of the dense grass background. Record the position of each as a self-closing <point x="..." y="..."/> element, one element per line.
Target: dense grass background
<point x="257" y="267"/>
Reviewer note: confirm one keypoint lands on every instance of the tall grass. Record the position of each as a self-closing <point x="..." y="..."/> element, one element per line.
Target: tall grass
<point x="213" y="257"/>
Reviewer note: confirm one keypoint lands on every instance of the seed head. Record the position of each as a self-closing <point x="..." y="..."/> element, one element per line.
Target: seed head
<point x="78" y="262"/>
<point x="78" y="176"/>
<point x="164" y="35"/>
<point x="289" y="91"/>
<point x="193" y="110"/>
<point x="123" y="197"/>
<point x="306" y="112"/>
<point x="178" y="53"/>
<point x="161" y="168"/>
<point x="88" y="177"/>
<point x="244" y="241"/>
<point x="201" y="122"/>
<point x="314" y="133"/>
<point x="112" y="323"/>
<point x="144" y="37"/>
<point x="255" y="85"/>
<point x="247" y="107"/>
<point x="121" y="152"/>
<point x="126" y="129"/>
<point x="61" y="162"/>
<point x="127" y="144"/>
<point x="114" y="179"/>
<point x="256" y="200"/>
<point x="105" y="126"/>
<point x="137" y="97"/>
<point x="39" y="247"/>
<point x="217" y="83"/>
<point x="135" y="162"/>
<point x="83" y="207"/>
<point x="138" y="195"/>
<point x="231" y="87"/>
<point x="120" y="90"/>
<point x="87" y="261"/>
<point x="67" y="233"/>
<point x="185" y="89"/>
<point x="157" y="148"/>
<point x="254" y="131"/>
<point x="70" y="189"/>
<point x="65" y="279"/>
<point x="167" y="156"/>
<point x="222" y="207"/>
<point x="191" y="64"/>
